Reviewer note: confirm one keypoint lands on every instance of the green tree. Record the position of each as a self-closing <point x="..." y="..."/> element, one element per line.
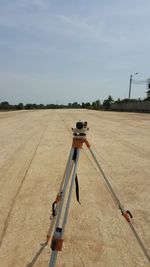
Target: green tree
<point x="29" y="106"/>
<point x="5" y="105"/>
<point x="86" y="105"/>
<point x="75" y="105"/>
<point x="96" y="104"/>
<point x="107" y="102"/>
<point x="19" y="106"/>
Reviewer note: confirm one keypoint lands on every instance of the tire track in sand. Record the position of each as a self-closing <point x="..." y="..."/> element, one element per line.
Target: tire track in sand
<point x="7" y="220"/>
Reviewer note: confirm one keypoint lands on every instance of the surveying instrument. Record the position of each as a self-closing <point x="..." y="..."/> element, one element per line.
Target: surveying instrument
<point x="59" y="216"/>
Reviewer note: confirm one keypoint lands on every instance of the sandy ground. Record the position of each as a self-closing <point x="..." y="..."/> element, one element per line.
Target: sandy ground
<point x="34" y="147"/>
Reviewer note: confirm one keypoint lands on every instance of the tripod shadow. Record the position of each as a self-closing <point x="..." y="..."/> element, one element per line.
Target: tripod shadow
<point x="37" y="255"/>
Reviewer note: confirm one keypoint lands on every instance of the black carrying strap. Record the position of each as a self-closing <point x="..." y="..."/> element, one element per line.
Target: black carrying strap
<point x="77" y="189"/>
<point x="76" y="178"/>
<point x="74" y="154"/>
<point x="54" y="208"/>
<point x="129" y="213"/>
<point x="76" y="183"/>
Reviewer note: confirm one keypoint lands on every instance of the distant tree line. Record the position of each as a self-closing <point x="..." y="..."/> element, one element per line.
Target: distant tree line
<point x="95" y="105"/>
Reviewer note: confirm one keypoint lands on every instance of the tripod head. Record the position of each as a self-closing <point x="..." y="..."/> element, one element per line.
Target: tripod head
<point x="80" y="129"/>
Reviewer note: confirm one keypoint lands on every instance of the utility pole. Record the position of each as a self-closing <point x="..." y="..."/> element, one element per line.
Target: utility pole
<point x="131" y="76"/>
<point x="130" y="86"/>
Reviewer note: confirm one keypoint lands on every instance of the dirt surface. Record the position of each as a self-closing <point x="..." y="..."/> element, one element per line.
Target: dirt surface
<point x="34" y="149"/>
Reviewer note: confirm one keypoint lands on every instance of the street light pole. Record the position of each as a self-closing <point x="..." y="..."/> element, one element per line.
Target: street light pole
<point x="130" y="86"/>
<point x="131" y="76"/>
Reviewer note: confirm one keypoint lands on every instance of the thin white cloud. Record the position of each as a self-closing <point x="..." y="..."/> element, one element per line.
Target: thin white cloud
<point x="71" y="26"/>
<point x="80" y="26"/>
<point x="76" y="27"/>
<point x="30" y="4"/>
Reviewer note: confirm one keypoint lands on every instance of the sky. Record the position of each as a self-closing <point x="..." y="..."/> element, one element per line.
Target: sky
<point x="61" y="51"/>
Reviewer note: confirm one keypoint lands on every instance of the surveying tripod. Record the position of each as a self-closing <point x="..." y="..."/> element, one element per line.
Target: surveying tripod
<point x="58" y="216"/>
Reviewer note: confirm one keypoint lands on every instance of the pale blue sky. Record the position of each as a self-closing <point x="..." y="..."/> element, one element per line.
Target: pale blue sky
<point x="72" y="50"/>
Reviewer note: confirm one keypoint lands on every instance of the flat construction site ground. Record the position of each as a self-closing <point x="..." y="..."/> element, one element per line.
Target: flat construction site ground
<point x="34" y="147"/>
